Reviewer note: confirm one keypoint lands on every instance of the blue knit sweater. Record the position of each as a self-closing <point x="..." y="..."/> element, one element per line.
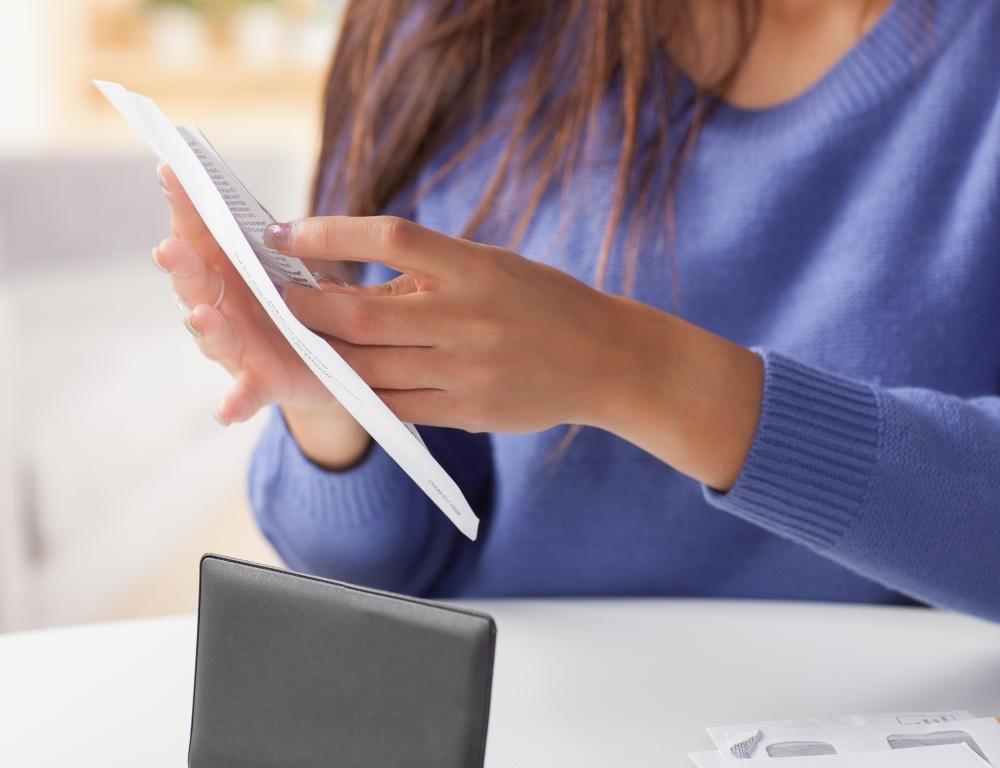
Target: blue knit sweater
<point x="852" y="237"/>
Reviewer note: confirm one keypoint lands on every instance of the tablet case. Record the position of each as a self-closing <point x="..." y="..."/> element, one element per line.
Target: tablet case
<point x="294" y="671"/>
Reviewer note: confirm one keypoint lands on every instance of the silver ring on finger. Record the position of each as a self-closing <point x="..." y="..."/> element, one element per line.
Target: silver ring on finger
<point x="222" y="294"/>
<point x="186" y="310"/>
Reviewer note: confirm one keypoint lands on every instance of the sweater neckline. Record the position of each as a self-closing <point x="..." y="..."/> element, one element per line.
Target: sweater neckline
<point x="908" y="36"/>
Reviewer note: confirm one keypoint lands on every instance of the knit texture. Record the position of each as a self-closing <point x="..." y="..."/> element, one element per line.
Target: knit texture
<point x="852" y="238"/>
<point x="813" y="455"/>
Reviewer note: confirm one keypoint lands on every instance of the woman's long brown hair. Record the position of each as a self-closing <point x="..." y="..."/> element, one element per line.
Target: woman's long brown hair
<point x="407" y="76"/>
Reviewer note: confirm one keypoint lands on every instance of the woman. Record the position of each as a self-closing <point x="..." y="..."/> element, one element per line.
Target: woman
<point x="751" y="250"/>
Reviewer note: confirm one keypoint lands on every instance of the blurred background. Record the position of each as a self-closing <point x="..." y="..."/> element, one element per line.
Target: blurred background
<point x="114" y="477"/>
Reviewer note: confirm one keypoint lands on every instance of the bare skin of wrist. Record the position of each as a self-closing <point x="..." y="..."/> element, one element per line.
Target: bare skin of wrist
<point x="329" y="436"/>
<point x="685" y="395"/>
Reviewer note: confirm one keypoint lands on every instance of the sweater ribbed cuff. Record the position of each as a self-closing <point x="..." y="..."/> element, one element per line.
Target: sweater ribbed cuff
<point x="349" y="498"/>
<point x="811" y="461"/>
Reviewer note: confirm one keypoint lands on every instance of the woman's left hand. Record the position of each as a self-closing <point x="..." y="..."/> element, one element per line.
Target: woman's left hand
<point x="469" y="336"/>
<point x="476" y="337"/>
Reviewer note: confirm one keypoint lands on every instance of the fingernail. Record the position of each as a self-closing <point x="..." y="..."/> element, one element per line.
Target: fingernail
<point x="156" y="261"/>
<point x="219" y="420"/>
<point x="161" y="177"/>
<point x="278" y="236"/>
<point x="189" y="324"/>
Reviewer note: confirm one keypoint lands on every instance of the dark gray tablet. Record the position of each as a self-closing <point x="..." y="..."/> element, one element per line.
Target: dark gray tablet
<point x="295" y="671"/>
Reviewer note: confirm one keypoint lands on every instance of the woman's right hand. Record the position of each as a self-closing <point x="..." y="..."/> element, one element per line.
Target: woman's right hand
<point x="240" y="336"/>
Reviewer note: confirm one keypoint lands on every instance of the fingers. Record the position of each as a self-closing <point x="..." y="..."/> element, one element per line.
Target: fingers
<point x="397" y="243"/>
<point x="185" y="221"/>
<point x="394" y="367"/>
<point x="401" y="285"/>
<point x="194" y="281"/>
<point x="398" y="286"/>
<point x="215" y="336"/>
<point x="217" y="341"/>
<point x="405" y="321"/>
<point x="241" y="402"/>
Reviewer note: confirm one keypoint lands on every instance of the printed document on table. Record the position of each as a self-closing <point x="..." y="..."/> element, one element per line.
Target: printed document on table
<point x="945" y="756"/>
<point x="779" y="740"/>
<point x="742" y="740"/>
<point x="237" y="220"/>
<point x="888" y="719"/>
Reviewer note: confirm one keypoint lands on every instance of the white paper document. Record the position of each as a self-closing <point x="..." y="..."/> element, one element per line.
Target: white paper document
<point x="250" y="215"/>
<point x="733" y="734"/>
<point x="944" y="756"/>
<point x="898" y="732"/>
<point x="237" y="222"/>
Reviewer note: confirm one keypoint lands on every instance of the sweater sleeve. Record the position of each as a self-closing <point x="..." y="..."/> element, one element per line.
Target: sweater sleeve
<point x="901" y="485"/>
<point x="369" y="524"/>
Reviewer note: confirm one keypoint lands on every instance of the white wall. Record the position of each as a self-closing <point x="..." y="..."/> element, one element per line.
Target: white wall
<point x="23" y="45"/>
<point x="74" y="540"/>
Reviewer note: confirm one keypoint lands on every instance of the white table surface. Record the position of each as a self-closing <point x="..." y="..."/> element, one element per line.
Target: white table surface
<point x="577" y="683"/>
